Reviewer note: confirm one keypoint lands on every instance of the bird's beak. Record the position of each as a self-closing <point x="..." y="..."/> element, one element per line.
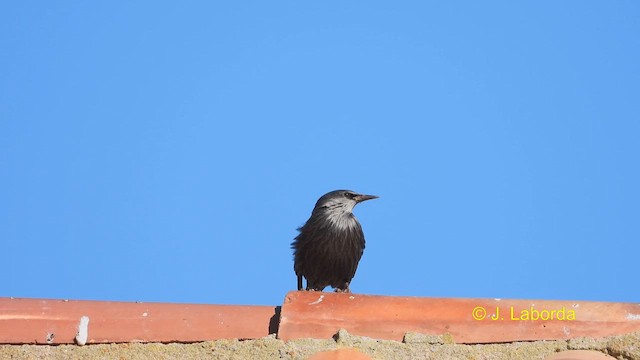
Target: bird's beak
<point x="360" y="197"/>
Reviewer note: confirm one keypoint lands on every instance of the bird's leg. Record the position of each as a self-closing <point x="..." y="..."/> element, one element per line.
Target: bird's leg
<point x="343" y="289"/>
<point x="312" y="287"/>
<point x="299" y="282"/>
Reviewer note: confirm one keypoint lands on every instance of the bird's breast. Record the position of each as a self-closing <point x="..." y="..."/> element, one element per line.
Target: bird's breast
<point x="342" y="221"/>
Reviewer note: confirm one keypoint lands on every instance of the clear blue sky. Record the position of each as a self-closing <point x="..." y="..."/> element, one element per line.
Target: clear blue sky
<point x="162" y="151"/>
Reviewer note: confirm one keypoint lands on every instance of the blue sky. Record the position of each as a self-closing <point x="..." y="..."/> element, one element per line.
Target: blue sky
<point x="162" y="151"/>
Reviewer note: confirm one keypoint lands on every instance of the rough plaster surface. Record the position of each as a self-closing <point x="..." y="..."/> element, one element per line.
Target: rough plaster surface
<point x="624" y="347"/>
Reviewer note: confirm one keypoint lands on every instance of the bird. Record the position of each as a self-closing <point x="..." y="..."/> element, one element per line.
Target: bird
<point x="330" y="244"/>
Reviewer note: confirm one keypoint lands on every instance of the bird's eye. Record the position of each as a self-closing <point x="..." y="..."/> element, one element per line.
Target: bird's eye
<point x="349" y="195"/>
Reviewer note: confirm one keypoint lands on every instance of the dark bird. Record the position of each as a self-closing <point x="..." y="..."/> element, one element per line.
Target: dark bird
<point x="330" y="243"/>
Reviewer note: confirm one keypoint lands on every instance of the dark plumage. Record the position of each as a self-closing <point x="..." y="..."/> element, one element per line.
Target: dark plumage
<point x="330" y="243"/>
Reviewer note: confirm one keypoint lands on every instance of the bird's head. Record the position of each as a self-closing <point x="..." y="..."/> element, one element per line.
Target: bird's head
<point x="340" y="201"/>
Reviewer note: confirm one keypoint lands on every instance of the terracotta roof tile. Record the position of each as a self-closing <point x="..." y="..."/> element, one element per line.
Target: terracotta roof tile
<point x="315" y="315"/>
<point x="42" y="321"/>
<point x="321" y="315"/>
